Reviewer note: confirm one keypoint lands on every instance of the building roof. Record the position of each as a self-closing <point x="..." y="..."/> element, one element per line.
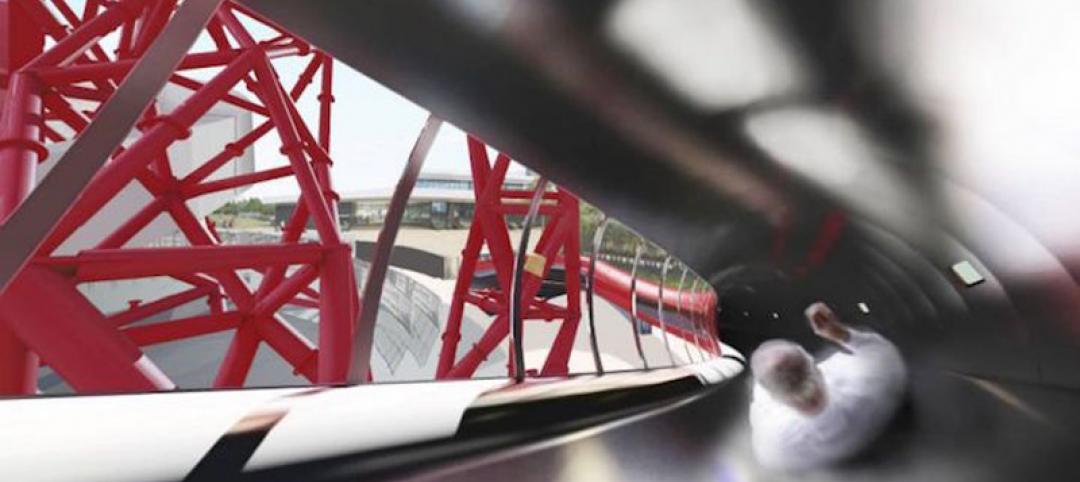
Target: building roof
<point x="419" y="193"/>
<point x="453" y="176"/>
<point x="375" y="195"/>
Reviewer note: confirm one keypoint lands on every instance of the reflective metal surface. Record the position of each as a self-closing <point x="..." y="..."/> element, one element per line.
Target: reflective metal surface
<point x="952" y="428"/>
<point x="380" y="261"/>
<point x="660" y="308"/>
<point x="679" y="309"/>
<point x="635" y="322"/>
<point x="516" y="320"/>
<point x="597" y="241"/>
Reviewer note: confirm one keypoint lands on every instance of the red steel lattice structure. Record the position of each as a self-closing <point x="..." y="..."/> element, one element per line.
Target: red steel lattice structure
<point x="56" y="74"/>
<point x="559" y="242"/>
<point x="50" y="319"/>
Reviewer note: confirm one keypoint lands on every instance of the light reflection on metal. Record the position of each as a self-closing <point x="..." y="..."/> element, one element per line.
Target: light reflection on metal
<point x="696" y="321"/>
<point x="715" y="54"/>
<point x="516" y="327"/>
<point x="679" y="310"/>
<point x="967" y="273"/>
<point x="598" y="240"/>
<point x="634" y="321"/>
<point x="660" y="308"/>
<point x="380" y="260"/>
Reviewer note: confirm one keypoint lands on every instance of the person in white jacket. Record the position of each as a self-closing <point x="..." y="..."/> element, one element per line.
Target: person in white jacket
<point x="806" y="415"/>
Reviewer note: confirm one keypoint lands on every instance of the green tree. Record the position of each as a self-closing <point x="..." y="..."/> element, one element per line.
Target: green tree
<point x="250" y="205"/>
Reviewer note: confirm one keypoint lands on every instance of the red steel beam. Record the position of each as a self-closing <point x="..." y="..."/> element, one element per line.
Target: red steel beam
<point x="225" y="184"/>
<point x="20" y="129"/>
<point x="294" y="228"/>
<point x="131" y="226"/>
<point x="146" y="310"/>
<point x="50" y="26"/>
<point x="172" y="330"/>
<point x="291" y="345"/>
<point x="305" y="303"/>
<point x="238" y="358"/>
<point x="124" y="167"/>
<point x="231" y="151"/>
<point x="552" y="239"/>
<point x="537" y="311"/>
<point x="557" y="363"/>
<point x="285" y="291"/>
<point x="452" y="333"/>
<point x="488" y="226"/>
<point x="336" y="316"/>
<point x="119" y="69"/>
<point x="87" y="34"/>
<point x="154" y="18"/>
<point x="105" y="264"/>
<point x="20" y="150"/>
<point x="320" y="202"/>
<point x="194" y="85"/>
<point x="487" y="183"/>
<point x="43" y="308"/>
<point x="275" y="101"/>
<point x="82" y="93"/>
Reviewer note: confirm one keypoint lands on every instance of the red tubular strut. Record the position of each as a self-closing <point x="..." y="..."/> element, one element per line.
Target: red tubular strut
<point x="20" y="151"/>
<point x="560" y="238"/>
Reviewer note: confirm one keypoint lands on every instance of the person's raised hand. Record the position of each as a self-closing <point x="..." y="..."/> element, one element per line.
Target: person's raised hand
<point x="825" y="323"/>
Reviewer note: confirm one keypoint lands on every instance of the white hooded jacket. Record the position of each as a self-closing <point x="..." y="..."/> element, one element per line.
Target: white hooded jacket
<point x="864" y="388"/>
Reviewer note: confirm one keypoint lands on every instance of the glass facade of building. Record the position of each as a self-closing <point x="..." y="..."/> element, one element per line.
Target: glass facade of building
<point x="429" y="211"/>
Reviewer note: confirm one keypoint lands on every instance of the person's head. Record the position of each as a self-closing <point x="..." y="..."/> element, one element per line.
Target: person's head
<point x="789" y="374"/>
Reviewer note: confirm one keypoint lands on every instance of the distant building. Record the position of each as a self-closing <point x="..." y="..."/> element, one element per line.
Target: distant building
<point x="439" y="201"/>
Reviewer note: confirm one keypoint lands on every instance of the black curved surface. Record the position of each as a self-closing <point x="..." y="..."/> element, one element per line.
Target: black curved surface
<point x="485" y="430"/>
<point x="543" y="82"/>
<point x="950" y="429"/>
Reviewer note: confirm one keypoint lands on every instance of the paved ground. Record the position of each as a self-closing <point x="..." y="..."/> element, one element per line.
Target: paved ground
<point x="443" y="242"/>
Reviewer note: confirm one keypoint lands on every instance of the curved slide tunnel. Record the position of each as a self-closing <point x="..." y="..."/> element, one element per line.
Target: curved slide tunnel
<point x="911" y="163"/>
<point x="845" y="151"/>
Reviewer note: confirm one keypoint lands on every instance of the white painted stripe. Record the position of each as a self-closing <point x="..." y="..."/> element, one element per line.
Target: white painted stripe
<point x="118" y="437"/>
<point x="716" y="370"/>
<point x="163" y="435"/>
<point x="366" y="417"/>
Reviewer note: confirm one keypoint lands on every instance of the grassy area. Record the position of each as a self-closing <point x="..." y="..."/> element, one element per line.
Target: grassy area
<point x="228" y="221"/>
<point x="243" y="214"/>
